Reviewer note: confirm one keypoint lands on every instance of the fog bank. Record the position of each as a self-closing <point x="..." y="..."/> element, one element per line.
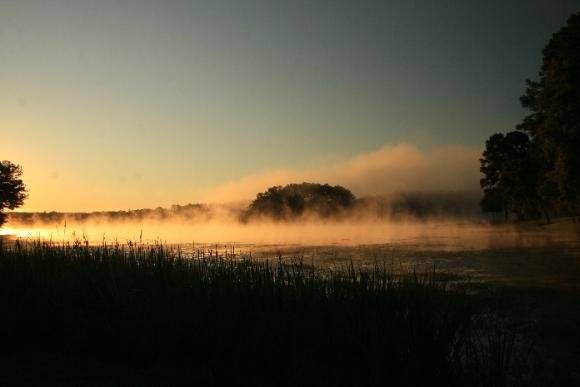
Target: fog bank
<point x="389" y="170"/>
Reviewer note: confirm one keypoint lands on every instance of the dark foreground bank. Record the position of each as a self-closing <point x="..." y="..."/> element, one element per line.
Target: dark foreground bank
<point x="136" y="315"/>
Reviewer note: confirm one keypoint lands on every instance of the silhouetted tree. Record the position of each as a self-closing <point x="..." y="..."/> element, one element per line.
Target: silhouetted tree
<point x="12" y="188"/>
<point x="294" y="200"/>
<point x="538" y="168"/>
<point x="554" y="121"/>
<point x="510" y="182"/>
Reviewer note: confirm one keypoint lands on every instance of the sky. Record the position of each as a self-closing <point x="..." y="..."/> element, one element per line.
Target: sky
<point x="132" y="104"/>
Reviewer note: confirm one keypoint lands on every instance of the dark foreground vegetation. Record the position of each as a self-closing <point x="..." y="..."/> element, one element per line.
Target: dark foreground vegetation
<point x="209" y="320"/>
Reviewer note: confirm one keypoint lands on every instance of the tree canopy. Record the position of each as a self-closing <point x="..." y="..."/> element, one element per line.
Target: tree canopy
<point x="294" y="200"/>
<point x="510" y="176"/>
<point x="554" y="119"/>
<point x="12" y="188"/>
<point x="536" y="169"/>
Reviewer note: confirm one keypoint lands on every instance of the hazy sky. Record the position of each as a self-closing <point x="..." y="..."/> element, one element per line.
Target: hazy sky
<point x="125" y="104"/>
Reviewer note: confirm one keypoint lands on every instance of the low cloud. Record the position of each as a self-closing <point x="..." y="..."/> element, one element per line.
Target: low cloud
<point x="391" y="169"/>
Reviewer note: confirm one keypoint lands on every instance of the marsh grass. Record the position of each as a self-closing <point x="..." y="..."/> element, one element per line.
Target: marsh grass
<point x="230" y="320"/>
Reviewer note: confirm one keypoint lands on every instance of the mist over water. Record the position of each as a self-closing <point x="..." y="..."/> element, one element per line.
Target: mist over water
<point x="438" y="234"/>
<point x="525" y="254"/>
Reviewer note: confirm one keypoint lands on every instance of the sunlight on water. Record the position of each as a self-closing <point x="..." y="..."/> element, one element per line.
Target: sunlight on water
<point x="23" y="232"/>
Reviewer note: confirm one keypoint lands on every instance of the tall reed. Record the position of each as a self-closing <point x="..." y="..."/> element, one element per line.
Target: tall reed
<point x="217" y="320"/>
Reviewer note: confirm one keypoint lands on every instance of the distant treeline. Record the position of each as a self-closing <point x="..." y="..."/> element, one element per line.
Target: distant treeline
<point x="289" y="203"/>
<point x="424" y="205"/>
<point x="295" y="201"/>
<point x="189" y="211"/>
<point x="534" y="171"/>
